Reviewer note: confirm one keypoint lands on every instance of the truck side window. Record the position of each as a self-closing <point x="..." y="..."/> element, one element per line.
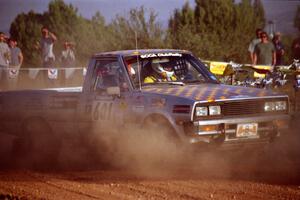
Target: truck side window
<point x="108" y="73"/>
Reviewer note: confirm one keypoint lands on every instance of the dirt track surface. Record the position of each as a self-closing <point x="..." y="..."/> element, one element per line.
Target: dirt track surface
<point x="121" y="185"/>
<point x="271" y="174"/>
<point x="124" y="185"/>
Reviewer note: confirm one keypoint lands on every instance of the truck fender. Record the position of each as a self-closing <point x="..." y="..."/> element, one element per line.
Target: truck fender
<point x="158" y="121"/>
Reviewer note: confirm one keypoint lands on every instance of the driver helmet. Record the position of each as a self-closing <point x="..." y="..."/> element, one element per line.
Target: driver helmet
<point x="161" y="67"/>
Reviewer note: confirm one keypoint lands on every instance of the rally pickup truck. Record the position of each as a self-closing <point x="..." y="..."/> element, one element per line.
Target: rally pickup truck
<point x="193" y="106"/>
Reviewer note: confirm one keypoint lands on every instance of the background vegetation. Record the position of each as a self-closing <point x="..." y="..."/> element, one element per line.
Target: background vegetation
<point x="213" y="30"/>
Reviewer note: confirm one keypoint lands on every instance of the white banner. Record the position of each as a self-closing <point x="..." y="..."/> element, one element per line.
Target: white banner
<point x="69" y="72"/>
<point x="84" y="71"/>
<point x="33" y="73"/>
<point x="52" y="73"/>
<point x="13" y="73"/>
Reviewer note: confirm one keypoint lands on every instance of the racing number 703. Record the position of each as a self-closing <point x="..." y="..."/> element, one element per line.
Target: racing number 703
<point x="102" y="111"/>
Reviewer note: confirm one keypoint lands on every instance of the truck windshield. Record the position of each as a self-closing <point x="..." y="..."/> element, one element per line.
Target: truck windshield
<point x="167" y="68"/>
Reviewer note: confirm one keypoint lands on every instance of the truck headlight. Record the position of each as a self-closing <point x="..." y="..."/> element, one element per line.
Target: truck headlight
<point x="214" y="110"/>
<point x="201" y="111"/>
<point x="275" y="106"/>
<point x="269" y="106"/>
<point x="280" y="105"/>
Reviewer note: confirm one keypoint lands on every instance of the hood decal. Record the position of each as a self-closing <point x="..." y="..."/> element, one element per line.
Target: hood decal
<point x="211" y="92"/>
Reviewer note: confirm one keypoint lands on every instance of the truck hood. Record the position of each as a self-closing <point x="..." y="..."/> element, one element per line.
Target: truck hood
<point x="212" y="92"/>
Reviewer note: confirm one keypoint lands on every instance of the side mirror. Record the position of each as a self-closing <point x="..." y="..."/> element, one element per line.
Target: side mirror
<point x="114" y="91"/>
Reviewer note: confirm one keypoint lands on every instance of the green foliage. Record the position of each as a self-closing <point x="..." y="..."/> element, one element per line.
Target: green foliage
<point x="213" y="30"/>
<point x="148" y="31"/>
<point x="217" y="29"/>
<point x="259" y="13"/>
<point x="297" y="19"/>
<point x="26" y="29"/>
<point x="89" y="36"/>
<point x="287" y="41"/>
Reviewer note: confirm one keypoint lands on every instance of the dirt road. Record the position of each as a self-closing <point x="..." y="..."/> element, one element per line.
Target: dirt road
<point x="123" y="185"/>
<point x="270" y="174"/>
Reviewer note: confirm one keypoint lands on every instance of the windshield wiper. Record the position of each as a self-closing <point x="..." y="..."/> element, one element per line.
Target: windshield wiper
<point x="176" y="83"/>
<point x="197" y="81"/>
<point x="167" y="83"/>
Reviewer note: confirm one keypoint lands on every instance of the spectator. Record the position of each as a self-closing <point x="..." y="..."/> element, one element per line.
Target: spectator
<point x="296" y="48"/>
<point x="46" y="46"/>
<point x="279" y="48"/>
<point x="67" y="55"/>
<point x="16" y="54"/>
<point x="253" y="43"/>
<point x="264" y="52"/>
<point x="4" y="51"/>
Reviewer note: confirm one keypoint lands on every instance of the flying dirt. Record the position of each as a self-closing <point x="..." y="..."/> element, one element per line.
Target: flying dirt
<point x="156" y="169"/>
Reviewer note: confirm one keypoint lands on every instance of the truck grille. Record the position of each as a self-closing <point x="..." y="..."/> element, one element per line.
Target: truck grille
<point x="246" y="107"/>
<point x="297" y="102"/>
<point x="241" y="108"/>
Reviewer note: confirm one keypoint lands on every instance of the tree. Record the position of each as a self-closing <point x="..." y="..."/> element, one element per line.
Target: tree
<point x="297" y="19"/>
<point x="90" y="36"/>
<point x="216" y="29"/>
<point x="148" y="31"/>
<point x="26" y="29"/>
<point x="259" y="13"/>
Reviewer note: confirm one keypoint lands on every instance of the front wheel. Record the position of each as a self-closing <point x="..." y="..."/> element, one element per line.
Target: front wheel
<point x="160" y="128"/>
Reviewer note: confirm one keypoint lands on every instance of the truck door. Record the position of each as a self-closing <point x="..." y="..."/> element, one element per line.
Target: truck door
<point x="104" y="104"/>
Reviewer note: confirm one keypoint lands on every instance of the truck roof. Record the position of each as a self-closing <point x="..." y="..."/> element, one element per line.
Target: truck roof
<point x="139" y="52"/>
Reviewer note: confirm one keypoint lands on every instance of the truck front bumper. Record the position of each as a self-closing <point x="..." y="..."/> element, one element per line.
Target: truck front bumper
<point x="226" y="130"/>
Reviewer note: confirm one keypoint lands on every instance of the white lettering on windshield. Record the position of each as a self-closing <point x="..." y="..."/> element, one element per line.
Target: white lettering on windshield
<point x="153" y="55"/>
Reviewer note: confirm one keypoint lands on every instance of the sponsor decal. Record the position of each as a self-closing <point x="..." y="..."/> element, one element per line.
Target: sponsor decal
<point x="138" y="109"/>
<point x="123" y="105"/>
<point x="13" y="73"/>
<point x="52" y="73"/>
<point x="154" y="55"/>
<point x="218" y="67"/>
<point x="102" y="111"/>
<point x="158" y="102"/>
<point x="139" y="100"/>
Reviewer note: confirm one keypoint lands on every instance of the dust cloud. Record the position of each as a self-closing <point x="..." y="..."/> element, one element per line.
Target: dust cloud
<point x="153" y="155"/>
<point x="149" y="154"/>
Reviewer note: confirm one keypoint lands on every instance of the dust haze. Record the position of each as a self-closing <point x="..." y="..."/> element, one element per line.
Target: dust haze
<point x="147" y="154"/>
<point x="40" y="80"/>
<point x="151" y="154"/>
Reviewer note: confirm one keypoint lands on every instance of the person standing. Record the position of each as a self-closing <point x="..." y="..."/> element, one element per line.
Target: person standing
<point x="67" y="55"/>
<point x="46" y="45"/>
<point x="264" y="52"/>
<point x="4" y="51"/>
<point x="296" y="49"/>
<point x="16" y="59"/>
<point x="279" y="48"/>
<point x="253" y="43"/>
